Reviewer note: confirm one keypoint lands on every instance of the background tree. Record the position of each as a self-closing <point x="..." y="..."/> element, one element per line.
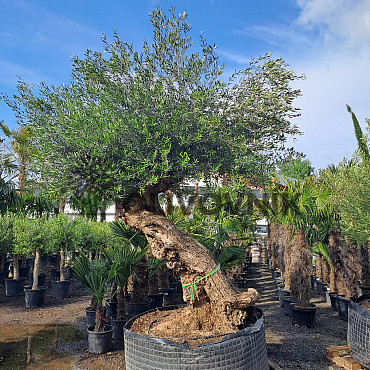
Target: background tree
<point x="133" y="124"/>
<point x="296" y="168"/>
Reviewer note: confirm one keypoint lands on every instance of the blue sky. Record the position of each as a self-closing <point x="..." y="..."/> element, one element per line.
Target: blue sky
<point x="327" y="40"/>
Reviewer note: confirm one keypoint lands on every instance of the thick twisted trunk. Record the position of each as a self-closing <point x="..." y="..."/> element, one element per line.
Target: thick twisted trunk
<point x="190" y="260"/>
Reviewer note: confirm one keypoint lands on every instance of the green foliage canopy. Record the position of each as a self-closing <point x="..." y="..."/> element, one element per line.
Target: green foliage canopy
<point x="131" y="120"/>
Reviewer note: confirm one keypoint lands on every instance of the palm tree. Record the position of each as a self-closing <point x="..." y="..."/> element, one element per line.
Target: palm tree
<point x="122" y="259"/>
<point x="94" y="276"/>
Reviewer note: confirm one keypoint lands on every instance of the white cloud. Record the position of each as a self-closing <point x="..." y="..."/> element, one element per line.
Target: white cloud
<point x="341" y="23"/>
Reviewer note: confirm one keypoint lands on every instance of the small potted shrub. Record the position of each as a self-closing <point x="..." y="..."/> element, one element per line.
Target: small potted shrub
<point x="31" y="236"/>
<point x="93" y="275"/>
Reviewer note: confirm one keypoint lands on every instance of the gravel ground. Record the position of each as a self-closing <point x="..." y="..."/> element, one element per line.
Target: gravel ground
<point x="288" y="346"/>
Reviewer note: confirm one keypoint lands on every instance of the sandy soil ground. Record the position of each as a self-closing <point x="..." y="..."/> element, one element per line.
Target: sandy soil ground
<point x="288" y="346"/>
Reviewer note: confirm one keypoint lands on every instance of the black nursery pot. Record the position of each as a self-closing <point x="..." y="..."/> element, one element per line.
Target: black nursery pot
<point x="287" y="305"/>
<point x="42" y="279"/>
<point x="342" y="307"/>
<point x="3" y="276"/>
<point x="111" y="309"/>
<point x="54" y="274"/>
<point x="333" y="301"/>
<point x="100" y="342"/>
<point x="61" y="289"/>
<point x="35" y="298"/>
<point x="118" y="329"/>
<point x="14" y="288"/>
<point x="133" y="309"/>
<point x="303" y="317"/>
<point x="168" y="296"/>
<point x="157" y="300"/>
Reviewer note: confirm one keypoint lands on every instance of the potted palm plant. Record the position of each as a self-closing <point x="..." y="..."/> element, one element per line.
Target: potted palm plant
<point x="94" y="276"/>
<point x="122" y="258"/>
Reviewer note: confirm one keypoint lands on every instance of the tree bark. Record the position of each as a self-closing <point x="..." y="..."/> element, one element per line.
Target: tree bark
<point x="16" y="267"/>
<point x="140" y="282"/>
<point x="337" y="261"/>
<point x="365" y="263"/>
<point x="36" y="269"/>
<point x="287" y="259"/>
<point x="300" y="273"/>
<point x="121" y="305"/>
<point x="190" y="260"/>
<point x="61" y="266"/>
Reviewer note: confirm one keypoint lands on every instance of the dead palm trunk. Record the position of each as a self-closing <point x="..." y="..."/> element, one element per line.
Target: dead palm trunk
<point x="190" y="260"/>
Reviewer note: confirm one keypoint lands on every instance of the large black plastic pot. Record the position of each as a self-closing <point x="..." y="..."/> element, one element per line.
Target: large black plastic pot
<point x="303" y="317"/>
<point x="342" y="307"/>
<point x="157" y="300"/>
<point x="282" y="293"/>
<point x="365" y="290"/>
<point x="24" y="271"/>
<point x="90" y="317"/>
<point x="333" y="301"/>
<point x="358" y="333"/>
<point x="35" y="298"/>
<point x="54" y="274"/>
<point x="61" y="289"/>
<point x="99" y="342"/>
<point x="320" y="287"/>
<point x="118" y="329"/>
<point x="313" y="281"/>
<point x="42" y="279"/>
<point x="169" y="296"/>
<point x="133" y="309"/>
<point x="287" y="305"/>
<point x="241" y="284"/>
<point x="3" y="276"/>
<point x="111" y="309"/>
<point x="245" y="349"/>
<point x="14" y="288"/>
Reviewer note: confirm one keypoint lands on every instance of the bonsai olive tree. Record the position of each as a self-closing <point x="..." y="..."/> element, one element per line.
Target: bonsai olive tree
<point x="133" y="124"/>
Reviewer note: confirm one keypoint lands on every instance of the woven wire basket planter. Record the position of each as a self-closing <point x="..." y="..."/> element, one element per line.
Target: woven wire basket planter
<point x="245" y="349"/>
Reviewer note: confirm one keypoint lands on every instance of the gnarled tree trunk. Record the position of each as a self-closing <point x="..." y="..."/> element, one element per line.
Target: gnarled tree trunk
<point x="190" y="260"/>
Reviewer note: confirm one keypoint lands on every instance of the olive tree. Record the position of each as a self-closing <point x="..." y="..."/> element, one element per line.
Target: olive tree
<point x="134" y="124"/>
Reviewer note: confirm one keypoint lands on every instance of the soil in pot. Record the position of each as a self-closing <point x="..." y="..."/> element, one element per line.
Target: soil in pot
<point x="35" y="298"/>
<point x="61" y="289"/>
<point x="14" y="288"/>
<point x="100" y="342"/>
<point x="303" y="316"/>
